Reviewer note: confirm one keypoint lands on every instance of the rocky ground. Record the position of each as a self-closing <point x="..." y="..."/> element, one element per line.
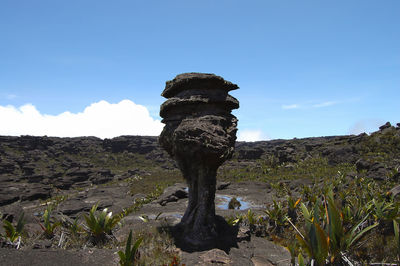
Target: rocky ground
<point x="73" y="174"/>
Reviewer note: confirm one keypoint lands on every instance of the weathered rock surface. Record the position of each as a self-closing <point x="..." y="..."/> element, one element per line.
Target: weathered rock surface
<point x="43" y="257"/>
<point x="173" y="193"/>
<point x="200" y="134"/>
<point x="248" y="249"/>
<point x="35" y="169"/>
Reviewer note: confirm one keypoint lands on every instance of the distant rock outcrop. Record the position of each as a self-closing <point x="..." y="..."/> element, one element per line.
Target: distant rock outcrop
<point x="33" y="168"/>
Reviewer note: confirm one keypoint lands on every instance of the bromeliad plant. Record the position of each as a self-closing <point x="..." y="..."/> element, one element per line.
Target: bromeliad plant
<point x="314" y="241"/>
<point x="131" y="254"/>
<point x="340" y="239"/>
<point x="292" y="206"/>
<point x="234" y="220"/>
<point x="100" y="224"/>
<point x="12" y="233"/>
<point x="48" y="225"/>
<point x="277" y="216"/>
<point x="384" y="213"/>
<point x="329" y="241"/>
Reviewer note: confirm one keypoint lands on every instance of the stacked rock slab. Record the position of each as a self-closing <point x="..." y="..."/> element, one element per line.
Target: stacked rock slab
<point x="200" y="134"/>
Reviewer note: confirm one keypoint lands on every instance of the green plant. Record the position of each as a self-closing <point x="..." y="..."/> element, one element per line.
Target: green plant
<point x="383" y="210"/>
<point x="131" y="254"/>
<point x="145" y="218"/>
<point x="332" y="243"/>
<point x="315" y="240"/>
<point x="48" y="226"/>
<point x="157" y="247"/>
<point x="234" y="220"/>
<point x="100" y="224"/>
<point x="277" y="216"/>
<point x="292" y="206"/>
<point x="300" y="259"/>
<point x="12" y="233"/>
<point x="340" y="240"/>
<point x="251" y="217"/>
<point x="293" y="250"/>
<point x="354" y="210"/>
<point x="75" y="228"/>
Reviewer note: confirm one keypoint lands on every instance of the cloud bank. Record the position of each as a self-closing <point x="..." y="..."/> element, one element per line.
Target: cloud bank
<point x="251" y="135"/>
<point x="100" y="119"/>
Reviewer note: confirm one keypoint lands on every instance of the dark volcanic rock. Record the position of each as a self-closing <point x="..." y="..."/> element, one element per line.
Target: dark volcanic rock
<point x="10" y="193"/>
<point x="7" y="166"/>
<point x="173" y="193"/>
<point x="362" y="164"/>
<point x="134" y="144"/>
<point x="395" y="191"/>
<point x="200" y="134"/>
<point x="377" y="171"/>
<point x="250" y="153"/>
<point x="340" y="154"/>
<point x="35" y="192"/>
<point x="387" y="125"/>
<point x="101" y="176"/>
<point x="285" y="154"/>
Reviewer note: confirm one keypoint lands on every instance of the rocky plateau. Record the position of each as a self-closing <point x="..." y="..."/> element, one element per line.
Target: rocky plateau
<point x="77" y="173"/>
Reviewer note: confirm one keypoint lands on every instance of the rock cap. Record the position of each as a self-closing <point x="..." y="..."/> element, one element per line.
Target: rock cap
<point x="197" y="81"/>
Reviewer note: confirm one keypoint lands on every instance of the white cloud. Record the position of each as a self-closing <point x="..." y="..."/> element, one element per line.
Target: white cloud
<point x="290" y="106"/>
<point x="251" y="135"/>
<point x="324" y="104"/>
<point x="100" y="119"/>
<point x="308" y="105"/>
<point x="366" y="125"/>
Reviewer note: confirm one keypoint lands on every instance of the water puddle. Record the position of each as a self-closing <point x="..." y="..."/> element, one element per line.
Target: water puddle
<point x="222" y="202"/>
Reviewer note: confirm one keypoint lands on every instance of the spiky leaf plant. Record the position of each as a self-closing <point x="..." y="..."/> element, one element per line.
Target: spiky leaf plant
<point x="12" y="233"/>
<point x="100" y="224"/>
<point x="340" y="240"/>
<point x="48" y="225"/>
<point x="131" y="254"/>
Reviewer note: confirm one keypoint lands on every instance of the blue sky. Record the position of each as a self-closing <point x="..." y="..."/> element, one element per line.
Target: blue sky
<point x="304" y="68"/>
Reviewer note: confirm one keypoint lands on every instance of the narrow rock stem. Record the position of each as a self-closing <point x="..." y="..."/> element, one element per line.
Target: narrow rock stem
<point x="199" y="223"/>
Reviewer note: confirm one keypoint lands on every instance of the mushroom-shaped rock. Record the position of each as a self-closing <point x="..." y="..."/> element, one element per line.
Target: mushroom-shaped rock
<point x="200" y="134"/>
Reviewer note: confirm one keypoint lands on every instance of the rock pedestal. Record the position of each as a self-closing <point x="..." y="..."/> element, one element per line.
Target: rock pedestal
<point x="200" y="134"/>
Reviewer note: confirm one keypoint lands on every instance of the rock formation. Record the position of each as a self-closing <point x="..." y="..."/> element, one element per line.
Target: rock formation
<point x="200" y="134"/>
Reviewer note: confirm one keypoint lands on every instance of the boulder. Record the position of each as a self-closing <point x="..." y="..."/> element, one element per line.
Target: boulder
<point x="173" y="194"/>
<point x="377" y="171"/>
<point x="386" y="125"/>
